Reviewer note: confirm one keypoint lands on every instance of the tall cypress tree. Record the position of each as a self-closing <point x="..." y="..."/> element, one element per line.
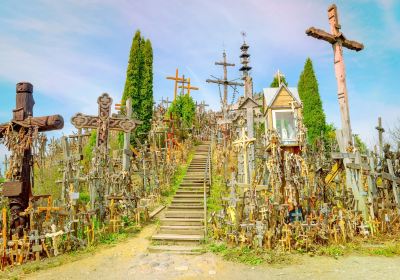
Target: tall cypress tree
<point x="139" y="84"/>
<point x="313" y="113"/>
<point x="146" y="91"/>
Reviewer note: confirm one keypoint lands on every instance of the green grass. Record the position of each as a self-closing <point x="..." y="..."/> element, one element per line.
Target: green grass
<point x="250" y="256"/>
<point x="217" y="190"/>
<point x="176" y="180"/>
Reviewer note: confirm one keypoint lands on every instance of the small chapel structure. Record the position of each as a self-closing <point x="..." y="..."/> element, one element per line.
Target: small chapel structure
<point x="282" y="111"/>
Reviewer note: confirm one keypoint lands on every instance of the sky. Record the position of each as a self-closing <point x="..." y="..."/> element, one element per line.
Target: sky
<point x="74" y="50"/>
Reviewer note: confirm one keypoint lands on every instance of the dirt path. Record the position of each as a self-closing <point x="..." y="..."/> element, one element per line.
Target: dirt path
<point x="130" y="260"/>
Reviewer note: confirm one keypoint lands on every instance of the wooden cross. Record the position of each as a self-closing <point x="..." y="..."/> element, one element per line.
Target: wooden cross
<point x="177" y="80"/>
<point x="188" y="87"/>
<point x="5" y="164"/>
<point x="279" y="75"/>
<point x="381" y="130"/>
<point x="338" y="41"/>
<point x="243" y="142"/>
<point x="225" y="82"/>
<point x="103" y="122"/>
<point x="79" y="136"/>
<point x="71" y="176"/>
<point x="166" y="102"/>
<point x="19" y="189"/>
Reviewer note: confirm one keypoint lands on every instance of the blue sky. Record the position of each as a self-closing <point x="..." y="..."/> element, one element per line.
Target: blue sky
<point x="74" y="50"/>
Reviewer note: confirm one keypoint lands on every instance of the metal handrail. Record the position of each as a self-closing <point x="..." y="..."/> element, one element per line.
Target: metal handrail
<point x="205" y="182"/>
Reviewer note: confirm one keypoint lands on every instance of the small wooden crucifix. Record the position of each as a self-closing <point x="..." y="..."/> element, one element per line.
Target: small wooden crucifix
<point x="338" y="41"/>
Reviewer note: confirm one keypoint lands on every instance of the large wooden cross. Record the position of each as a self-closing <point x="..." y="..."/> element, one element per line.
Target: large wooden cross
<point x="103" y="122"/>
<point x="338" y="41"/>
<point x="19" y="188"/>
<point x="225" y="82"/>
<point x="177" y="80"/>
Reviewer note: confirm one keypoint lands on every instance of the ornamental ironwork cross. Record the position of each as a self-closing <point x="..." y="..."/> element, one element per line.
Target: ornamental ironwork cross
<point x="338" y="41"/>
<point x="103" y="122"/>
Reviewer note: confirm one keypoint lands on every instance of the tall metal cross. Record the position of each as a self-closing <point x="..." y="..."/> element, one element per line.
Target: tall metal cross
<point x="19" y="188"/>
<point x="103" y="122"/>
<point x="338" y="41"/>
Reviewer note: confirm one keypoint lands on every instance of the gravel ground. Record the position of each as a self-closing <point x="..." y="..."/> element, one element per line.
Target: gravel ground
<point x="130" y="260"/>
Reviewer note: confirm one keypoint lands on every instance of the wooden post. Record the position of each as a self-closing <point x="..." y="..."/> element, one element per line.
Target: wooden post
<point x="381" y="130"/>
<point x="127" y="138"/>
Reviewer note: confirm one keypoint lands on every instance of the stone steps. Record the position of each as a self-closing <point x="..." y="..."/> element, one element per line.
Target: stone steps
<point x="184" y="220"/>
<point x="176" y="249"/>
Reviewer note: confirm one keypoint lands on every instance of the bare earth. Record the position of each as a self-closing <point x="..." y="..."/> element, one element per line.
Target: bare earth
<point x="130" y="260"/>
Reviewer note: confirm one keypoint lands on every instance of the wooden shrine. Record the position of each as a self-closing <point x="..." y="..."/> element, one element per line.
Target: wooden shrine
<point x="282" y="110"/>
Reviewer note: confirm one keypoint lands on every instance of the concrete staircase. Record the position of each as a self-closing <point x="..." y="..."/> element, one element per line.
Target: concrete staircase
<point x="182" y="228"/>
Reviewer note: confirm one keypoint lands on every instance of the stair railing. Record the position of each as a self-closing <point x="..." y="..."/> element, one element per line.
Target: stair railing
<point x="206" y="181"/>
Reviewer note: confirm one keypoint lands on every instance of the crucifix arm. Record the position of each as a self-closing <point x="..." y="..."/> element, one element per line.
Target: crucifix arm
<point x="224" y="63"/>
<point x="321" y="34"/>
<point x="224" y="82"/>
<point x="84" y="121"/>
<point x="353" y="45"/>
<point x="46" y="123"/>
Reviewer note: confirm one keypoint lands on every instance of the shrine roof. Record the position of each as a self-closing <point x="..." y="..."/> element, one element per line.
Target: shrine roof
<point x="270" y="94"/>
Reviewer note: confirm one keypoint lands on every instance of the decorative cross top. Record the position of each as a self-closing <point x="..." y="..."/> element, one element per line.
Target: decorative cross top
<point x="338" y="41"/>
<point x="103" y="122"/>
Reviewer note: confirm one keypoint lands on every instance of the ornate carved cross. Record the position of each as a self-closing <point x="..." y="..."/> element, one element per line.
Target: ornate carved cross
<point x="243" y="142"/>
<point x="19" y="188"/>
<point x="103" y="122"/>
<point x="338" y="41"/>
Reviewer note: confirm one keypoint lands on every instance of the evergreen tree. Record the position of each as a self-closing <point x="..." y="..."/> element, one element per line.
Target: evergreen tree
<point x="146" y="91"/>
<point x="183" y="109"/>
<point x="313" y="113"/>
<point x="139" y="84"/>
<point x="275" y="82"/>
